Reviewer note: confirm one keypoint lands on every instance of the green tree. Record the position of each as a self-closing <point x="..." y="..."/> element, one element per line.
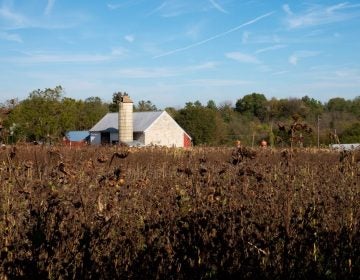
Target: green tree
<point x="37" y="117"/>
<point x="70" y="114"/>
<point x="288" y="108"/>
<point x="351" y="134"/>
<point x="171" y="111"/>
<point x="211" y="105"/>
<point x="338" y="109"/>
<point x="203" y="124"/>
<point x="93" y="109"/>
<point x="114" y="106"/>
<point x="355" y="107"/>
<point x="252" y="105"/>
<point x="316" y="108"/>
<point x="145" y="106"/>
<point x="337" y="104"/>
<point x="46" y="115"/>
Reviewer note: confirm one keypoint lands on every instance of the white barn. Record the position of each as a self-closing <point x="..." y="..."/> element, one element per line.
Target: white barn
<point x="148" y="128"/>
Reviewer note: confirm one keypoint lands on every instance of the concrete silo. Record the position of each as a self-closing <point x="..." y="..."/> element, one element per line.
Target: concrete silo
<point x="125" y="120"/>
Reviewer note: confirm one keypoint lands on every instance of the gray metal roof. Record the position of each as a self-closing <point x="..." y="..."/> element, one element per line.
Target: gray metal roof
<point x="142" y="120"/>
<point x="77" y="135"/>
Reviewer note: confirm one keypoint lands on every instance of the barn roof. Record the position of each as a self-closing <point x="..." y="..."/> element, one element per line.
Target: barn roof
<point x="141" y="120"/>
<point x="77" y="136"/>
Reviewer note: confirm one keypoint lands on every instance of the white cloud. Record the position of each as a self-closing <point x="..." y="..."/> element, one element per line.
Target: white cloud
<point x="194" y="31"/>
<point x="146" y="73"/>
<point x="215" y="36"/>
<point x="10" y="37"/>
<point x="241" y="57"/>
<point x="124" y="4"/>
<point x="217" y="82"/>
<point x="280" y="72"/>
<point x="293" y="59"/>
<point x="296" y="56"/>
<point x="35" y="58"/>
<point x="218" y="7"/>
<point x="49" y="7"/>
<point x="287" y="9"/>
<point x="204" y="66"/>
<point x="113" y="6"/>
<point x="170" y="8"/>
<point x="271" y="48"/>
<point x="334" y="8"/>
<point x="162" y="72"/>
<point x="119" y="51"/>
<point x="130" y="38"/>
<point x="245" y="37"/>
<point x="331" y="79"/>
<point x="174" y="8"/>
<point x="13" y="19"/>
<point x="319" y="15"/>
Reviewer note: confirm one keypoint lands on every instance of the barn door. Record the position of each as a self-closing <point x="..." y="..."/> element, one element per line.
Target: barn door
<point x="105" y="138"/>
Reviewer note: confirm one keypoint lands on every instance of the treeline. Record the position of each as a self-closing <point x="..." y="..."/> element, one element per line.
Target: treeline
<point x="46" y="115"/>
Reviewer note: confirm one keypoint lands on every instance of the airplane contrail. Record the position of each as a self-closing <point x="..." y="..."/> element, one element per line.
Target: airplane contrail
<point x="215" y="36"/>
<point x="218" y="7"/>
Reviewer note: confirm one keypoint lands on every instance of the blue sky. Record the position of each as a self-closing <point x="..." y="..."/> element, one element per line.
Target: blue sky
<point x="175" y="51"/>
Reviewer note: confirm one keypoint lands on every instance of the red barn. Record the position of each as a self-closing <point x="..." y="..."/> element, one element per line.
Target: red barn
<point x="76" y="138"/>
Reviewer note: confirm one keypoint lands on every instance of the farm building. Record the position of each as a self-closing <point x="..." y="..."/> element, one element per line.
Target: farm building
<point x="345" y="147"/>
<point x="76" y="138"/>
<point x="138" y="128"/>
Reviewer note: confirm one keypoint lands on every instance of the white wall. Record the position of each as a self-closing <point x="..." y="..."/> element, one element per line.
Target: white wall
<point x="165" y="132"/>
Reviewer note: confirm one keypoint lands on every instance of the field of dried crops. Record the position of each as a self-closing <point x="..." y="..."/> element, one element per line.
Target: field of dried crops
<point x="207" y="213"/>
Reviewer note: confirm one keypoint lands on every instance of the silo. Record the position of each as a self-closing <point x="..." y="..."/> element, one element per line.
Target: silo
<point x="125" y="120"/>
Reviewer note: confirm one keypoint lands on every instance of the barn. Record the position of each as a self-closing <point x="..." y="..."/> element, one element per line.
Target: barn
<point x="138" y="128"/>
<point x="76" y="138"/>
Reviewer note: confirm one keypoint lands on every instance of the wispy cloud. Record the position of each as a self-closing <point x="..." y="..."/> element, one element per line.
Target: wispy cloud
<point x="194" y="30"/>
<point x="130" y="38"/>
<point x="116" y="6"/>
<point x="287" y="9"/>
<point x="218" y="7"/>
<point x="331" y="79"/>
<point x="296" y="56"/>
<point x="271" y="48"/>
<point x="242" y="57"/>
<point x="280" y="73"/>
<point x="13" y="19"/>
<point x="158" y="8"/>
<point x="162" y="72"/>
<point x="10" y="37"/>
<point x="319" y="15"/>
<point x="217" y="82"/>
<point x="204" y="66"/>
<point x="174" y="8"/>
<point x="245" y="37"/>
<point x="119" y="51"/>
<point x="49" y="7"/>
<point x="40" y="58"/>
<point x="215" y="36"/>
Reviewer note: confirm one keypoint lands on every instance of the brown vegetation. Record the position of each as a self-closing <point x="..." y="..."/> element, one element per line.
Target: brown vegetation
<point x="110" y="212"/>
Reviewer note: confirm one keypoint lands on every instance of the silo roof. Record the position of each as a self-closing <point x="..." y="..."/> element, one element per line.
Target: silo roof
<point x="126" y="99"/>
